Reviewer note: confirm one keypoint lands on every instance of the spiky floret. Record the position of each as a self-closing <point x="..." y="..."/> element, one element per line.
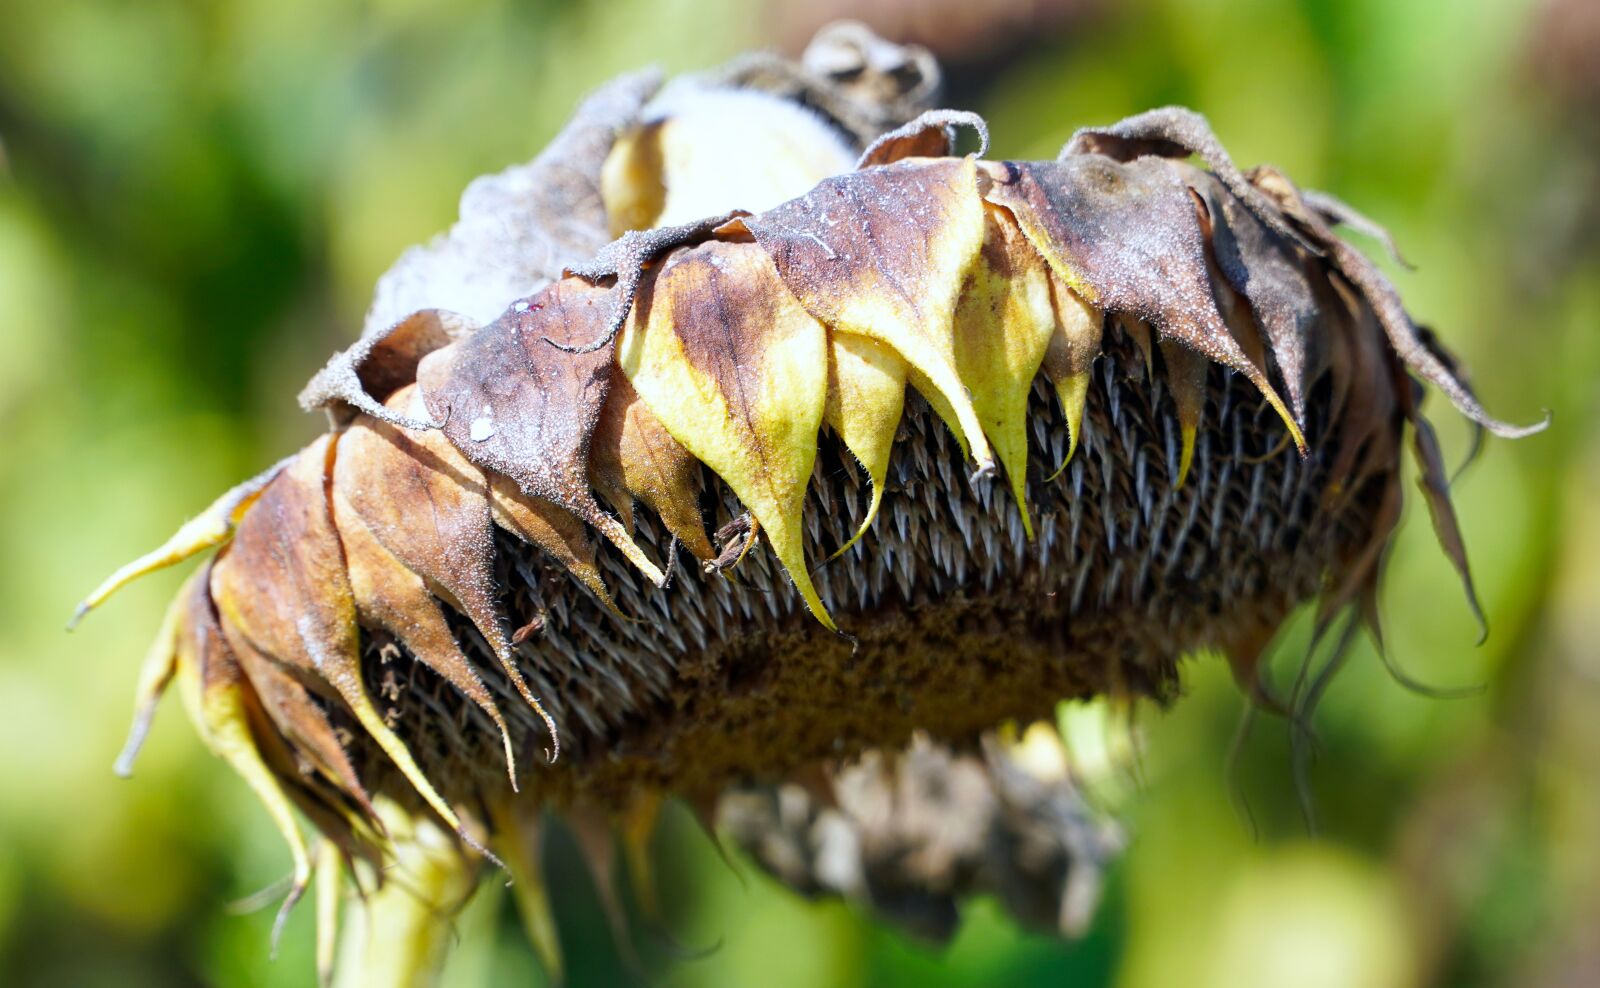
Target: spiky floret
<point x="1197" y="394"/>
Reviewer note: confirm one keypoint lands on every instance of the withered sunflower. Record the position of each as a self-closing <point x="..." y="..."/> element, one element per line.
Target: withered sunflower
<point x="796" y="506"/>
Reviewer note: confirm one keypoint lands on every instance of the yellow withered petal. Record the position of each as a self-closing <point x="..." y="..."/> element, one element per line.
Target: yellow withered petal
<point x="283" y="586"/>
<point x="634" y="456"/>
<point x="1073" y="347"/>
<point x="638" y="825"/>
<point x="737" y="371"/>
<point x="1186" y="377"/>
<point x="393" y="598"/>
<point x="330" y="888"/>
<point x="155" y="675"/>
<point x="519" y="840"/>
<point x="866" y="396"/>
<point x="218" y="697"/>
<point x="1003" y="325"/>
<point x="883" y="253"/>
<point x="210" y="528"/>
<point x="550" y="527"/>
<point x="429" y="506"/>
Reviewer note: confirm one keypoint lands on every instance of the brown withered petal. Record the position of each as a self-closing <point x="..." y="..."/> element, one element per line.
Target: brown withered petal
<point x="1433" y="479"/>
<point x="391" y="597"/>
<point x="552" y="528"/>
<point x="1178" y="132"/>
<point x="930" y="135"/>
<point x="633" y="457"/>
<point x="514" y="404"/>
<point x="429" y="507"/>
<point x="1126" y="238"/>
<point x="282" y="585"/>
<point x="847" y="252"/>
<point x="1384" y="299"/>
<point x="737" y="371"/>
<point x="1186" y="376"/>
<point x="362" y="377"/>
<point x="1270" y="272"/>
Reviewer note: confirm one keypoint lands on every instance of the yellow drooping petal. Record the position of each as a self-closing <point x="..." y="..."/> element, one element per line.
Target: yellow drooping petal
<point x="637" y="826"/>
<point x="210" y="528"/>
<point x="330" y="886"/>
<point x="1073" y="348"/>
<point x="1004" y="322"/>
<point x="218" y="698"/>
<point x="155" y="675"/>
<point x="737" y="371"/>
<point x="518" y="838"/>
<point x="1186" y="377"/>
<point x="866" y="396"/>
<point x="884" y="253"/>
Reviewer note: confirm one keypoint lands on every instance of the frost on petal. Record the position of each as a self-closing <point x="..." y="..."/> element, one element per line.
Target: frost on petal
<point x="634" y="457"/>
<point x="866" y="396"/>
<point x="883" y="253"/>
<point x="282" y="587"/>
<point x="1126" y="237"/>
<point x="363" y="376"/>
<point x="1004" y="323"/>
<point x="737" y="371"/>
<point x="514" y="404"/>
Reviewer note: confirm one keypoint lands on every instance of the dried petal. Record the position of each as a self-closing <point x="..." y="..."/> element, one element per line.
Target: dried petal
<point x="737" y="371"/>
<point x="514" y="404"/>
<point x="1433" y="480"/>
<point x="554" y="529"/>
<point x="634" y="456"/>
<point x="866" y="396"/>
<point x="1004" y="322"/>
<point x="1073" y="346"/>
<point x="392" y="597"/>
<point x="883" y="253"/>
<point x="218" y="697"/>
<point x="1270" y="272"/>
<point x="363" y="376"/>
<point x="210" y="528"/>
<point x="1186" y="376"/>
<point x="931" y="135"/>
<point x="1126" y="238"/>
<point x="282" y="586"/>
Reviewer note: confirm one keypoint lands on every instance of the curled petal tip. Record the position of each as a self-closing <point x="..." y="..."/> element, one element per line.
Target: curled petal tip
<point x="77" y="615"/>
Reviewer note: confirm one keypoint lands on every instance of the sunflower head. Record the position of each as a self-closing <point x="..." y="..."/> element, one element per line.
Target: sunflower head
<point x="782" y="463"/>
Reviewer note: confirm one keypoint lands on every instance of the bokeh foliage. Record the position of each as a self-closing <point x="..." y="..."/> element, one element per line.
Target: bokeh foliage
<point x="195" y="199"/>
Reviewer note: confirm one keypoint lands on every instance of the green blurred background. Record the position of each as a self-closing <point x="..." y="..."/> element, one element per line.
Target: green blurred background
<point x="195" y="200"/>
